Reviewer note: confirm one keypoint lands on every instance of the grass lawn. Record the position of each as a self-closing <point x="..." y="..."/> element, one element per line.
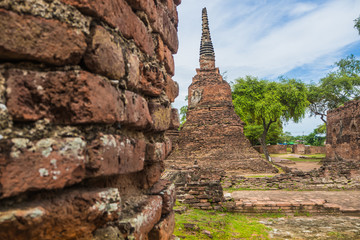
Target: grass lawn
<point x="221" y="225"/>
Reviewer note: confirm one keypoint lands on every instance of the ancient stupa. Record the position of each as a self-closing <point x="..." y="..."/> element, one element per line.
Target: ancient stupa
<point x="212" y="136"/>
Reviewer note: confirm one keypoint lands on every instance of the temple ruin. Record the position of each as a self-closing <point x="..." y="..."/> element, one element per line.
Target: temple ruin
<point x="212" y="136"/>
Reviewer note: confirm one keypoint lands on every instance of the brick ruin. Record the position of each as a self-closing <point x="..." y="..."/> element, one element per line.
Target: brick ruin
<point x="212" y="136"/>
<point x="85" y="97"/>
<point x="343" y="133"/>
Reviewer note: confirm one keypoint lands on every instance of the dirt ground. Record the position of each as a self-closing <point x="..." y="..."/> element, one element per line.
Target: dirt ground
<point x="299" y="165"/>
<point x="316" y="227"/>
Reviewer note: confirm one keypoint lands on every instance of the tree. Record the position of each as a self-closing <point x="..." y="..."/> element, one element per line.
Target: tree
<point x="336" y="88"/>
<point x="265" y="102"/>
<point x="317" y="137"/>
<point x="357" y="24"/>
<point x="183" y="112"/>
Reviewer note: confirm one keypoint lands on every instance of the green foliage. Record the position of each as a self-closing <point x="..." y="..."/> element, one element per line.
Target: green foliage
<point x="263" y="103"/>
<point x="253" y="132"/>
<point x="336" y="88"/>
<point x="183" y="112"/>
<point x="221" y="225"/>
<point x="357" y="24"/>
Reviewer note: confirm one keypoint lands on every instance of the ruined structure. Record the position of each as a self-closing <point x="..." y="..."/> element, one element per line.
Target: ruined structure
<point x="213" y="134"/>
<point x="343" y="133"/>
<point x="85" y="94"/>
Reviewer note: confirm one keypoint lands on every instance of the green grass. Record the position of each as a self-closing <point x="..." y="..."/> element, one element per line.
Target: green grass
<point x="260" y="176"/>
<point x="304" y="159"/>
<point x="222" y="225"/>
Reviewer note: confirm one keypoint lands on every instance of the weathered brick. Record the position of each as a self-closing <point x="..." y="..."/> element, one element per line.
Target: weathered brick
<point x="152" y="173"/>
<point x="155" y="152"/>
<point x="139" y="225"/>
<point x="137" y="113"/>
<point x="177" y="2"/>
<point x="133" y="81"/>
<point x="164" y="229"/>
<point x="169" y="61"/>
<point x="160" y="50"/>
<point x="171" y="89"/>
<point x="119" y="15"/>
<point x="104" y="56"/>
<point x="50" y="163"/>
<point x="71" y="215"/>
<point x="114" y="154"/>
<point x="152" y="81"/>
<point x="24" y="37"/>
<point x="160" y="115"/>
<point x="167" y="191"/>
<point x="64" y="97"/>
<point x="147" y="6"/>
<point x="175" y="119"/>
<point x="166" y="28"/>
<point x="168" y="146"/>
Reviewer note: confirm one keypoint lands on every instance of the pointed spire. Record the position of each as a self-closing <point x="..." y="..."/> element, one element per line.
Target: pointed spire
<point x="206" y="46"/>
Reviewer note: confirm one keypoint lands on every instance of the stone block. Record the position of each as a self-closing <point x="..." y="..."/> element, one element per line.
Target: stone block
<point x="73" y="97"/>
<point x="24" y="37"/>
<point x="133" y="80"/>
<point x="147" y="6"/>
<point x="169" y="61"/>
<point x="118" y="14"/>
<point x="104" y="56"/>
<point x="168" y="146"/>
<point x="175" y="119"/>
<point x="166" y="28"/>
<point x="160" y="116"/>
<point x="152" y="174"/>
<point x="164" y="229"/>
<point x="152" y="81"/>
<point x="171" y="89"/>
<point x="50" y="163"/>
<point x="71" y="215"/>
<point x="143" y="221"/>
<point x="160" y="50"/>
<point x="114" y="154"/>
<point x="155" y="152"/>
<point x="137" y="114"/>
<point x="167" y="191"/>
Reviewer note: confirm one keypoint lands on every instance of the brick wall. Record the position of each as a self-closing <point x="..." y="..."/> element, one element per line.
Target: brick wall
<point x="85" y="97"/>
<point x="274" y="149"/>
<point x="343" y="133"/>
<point x="298" y="149"/>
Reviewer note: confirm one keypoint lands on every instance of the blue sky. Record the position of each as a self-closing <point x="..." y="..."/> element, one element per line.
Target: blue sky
<point x="268" y="38"/>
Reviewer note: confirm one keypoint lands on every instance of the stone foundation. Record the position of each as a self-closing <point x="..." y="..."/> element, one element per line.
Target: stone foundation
<point x="85" y="98"/>
<point x="273" y="149"/>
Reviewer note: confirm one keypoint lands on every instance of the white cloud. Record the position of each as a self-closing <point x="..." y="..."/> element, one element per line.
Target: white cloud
<point x="265" y="38"/>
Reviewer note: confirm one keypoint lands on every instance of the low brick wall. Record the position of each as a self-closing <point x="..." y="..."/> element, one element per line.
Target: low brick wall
<point x="199" y="188"/>
<point x="272" y="149"/>
<point x="315" y="150"/>
<point x="298" y="149"/>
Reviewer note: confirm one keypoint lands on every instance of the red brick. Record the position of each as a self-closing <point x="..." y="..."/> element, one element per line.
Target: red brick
<point x="137" y="113"/>
<point x="147" y="6"/>
<point x="175" y="119"/>
<point x="118" y="14"/>
<point x="133" y="81"/>
<point x="24" y="37"/>
<point x="171" y="89"/>
<point x="169" y="61"/>
<point x="160" y="115"/>
<point x="168" y="146"/>
<point x="160" y="50"/>
<point x="151" y="174"/>
<point x="167" y="191"/>
<point x="143" y="221"/>
<point x="113" y="154"/>
<point x="70" y="215"/>
<point x="104" y="56"/>
<point x="177" y="2"/>
<point x="166" y="28"/>
<point x="155" y="152"/>
<point x="151" y="81"/>
<point x="64" y="97"/>
<point x="164" y="229"/>
<point x="50" y="164"/>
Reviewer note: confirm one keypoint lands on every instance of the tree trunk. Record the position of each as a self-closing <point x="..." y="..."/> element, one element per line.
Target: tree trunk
<point x="263" y="145"/>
